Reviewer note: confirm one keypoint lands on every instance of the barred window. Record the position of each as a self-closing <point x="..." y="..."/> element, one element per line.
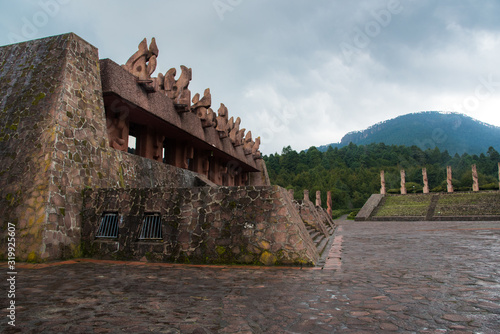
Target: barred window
<point x="151" y="227"/>
<point x="109" y="226"/>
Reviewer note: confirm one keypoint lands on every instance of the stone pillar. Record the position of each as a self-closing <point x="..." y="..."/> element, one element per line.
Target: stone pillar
<point x="403" y="182"/>
<point x="426" y="181"/>
<point x="499" y="175"/>
<point x="318" y="198"/>
<point x="329" y="202"/>
<point x="306" y="195"/>
<point x="449" y="179"/>
<point x="291" y="193"/>
<point x="382" y="182"/>
<point x="475" y="181"/>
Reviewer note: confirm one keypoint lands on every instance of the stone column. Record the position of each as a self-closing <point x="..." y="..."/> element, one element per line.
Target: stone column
<point x="329" y="202"/>
<point x="306" y="195"/>
<point x="403" y="182"/>
<point x="318" y="198"/>
<point x="475" y="181"/>
<point x="426" y="181"/>
<point x="291" y="193"/>
<point x="382" y="182"/>
<point x="449" y="179"/>
<point x="499" y="175"/>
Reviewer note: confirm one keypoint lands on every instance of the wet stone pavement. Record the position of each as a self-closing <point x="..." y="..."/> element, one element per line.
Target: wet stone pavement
<point x="380" y="277"/>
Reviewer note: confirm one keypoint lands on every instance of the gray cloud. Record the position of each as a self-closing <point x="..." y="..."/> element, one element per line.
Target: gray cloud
<point x="302" y="73"/>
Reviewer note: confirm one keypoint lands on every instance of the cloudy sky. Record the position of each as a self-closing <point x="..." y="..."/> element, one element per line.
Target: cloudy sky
<point x="300" y="73"/>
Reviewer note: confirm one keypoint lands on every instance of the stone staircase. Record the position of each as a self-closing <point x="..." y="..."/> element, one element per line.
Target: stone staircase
<point x="319" y="239"/>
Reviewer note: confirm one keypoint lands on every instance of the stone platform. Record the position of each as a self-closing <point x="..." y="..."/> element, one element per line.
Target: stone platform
<point x="379" y="277"/>
<point x="455" y="206"/>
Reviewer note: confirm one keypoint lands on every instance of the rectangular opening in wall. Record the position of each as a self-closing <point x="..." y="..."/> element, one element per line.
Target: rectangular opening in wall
<point x="133" y="142"/>
<point x="169" y="151"/>
<point x="151" y="227"/>
<point x="108" y="228"/>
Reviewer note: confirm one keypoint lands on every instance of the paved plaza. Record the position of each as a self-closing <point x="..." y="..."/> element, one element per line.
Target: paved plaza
<point x="380" y="277"/>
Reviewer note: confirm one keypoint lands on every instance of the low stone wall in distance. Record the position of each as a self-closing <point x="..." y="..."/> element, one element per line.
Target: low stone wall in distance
<point x="248" y="225"/>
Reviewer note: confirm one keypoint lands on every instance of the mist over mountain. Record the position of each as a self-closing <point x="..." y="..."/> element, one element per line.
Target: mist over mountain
<point x="454" y="132"/>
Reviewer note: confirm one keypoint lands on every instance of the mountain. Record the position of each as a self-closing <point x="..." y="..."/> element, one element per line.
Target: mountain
<point x="454" y="132"/>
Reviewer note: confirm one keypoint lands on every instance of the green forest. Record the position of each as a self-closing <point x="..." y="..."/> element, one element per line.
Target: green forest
<point x="352" y="173"/>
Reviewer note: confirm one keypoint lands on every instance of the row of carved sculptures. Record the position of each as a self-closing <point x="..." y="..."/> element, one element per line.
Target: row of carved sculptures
<point x="143" y="63"/>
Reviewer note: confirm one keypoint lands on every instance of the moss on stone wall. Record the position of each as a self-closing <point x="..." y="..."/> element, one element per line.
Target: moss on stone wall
<point x="220" y="225"/>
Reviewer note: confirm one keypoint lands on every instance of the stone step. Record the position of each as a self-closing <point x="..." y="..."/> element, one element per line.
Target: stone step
<point x="322" y="245"/>
<point x="314" y="235"/>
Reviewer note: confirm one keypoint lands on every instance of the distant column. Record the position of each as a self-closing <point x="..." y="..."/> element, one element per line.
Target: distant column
<point x="449" y="179"/>
<point x="475" y="181"/>
<point x="306" y="195"/>
<point x="329" y="202"/>
<point x="318" y="198"/>
<point x="426" y="181"/>
<point x="291" y="193"/>
<point x="499" y="175"/>
<point x="382" y="182"/>
<point x="403" y="182"/>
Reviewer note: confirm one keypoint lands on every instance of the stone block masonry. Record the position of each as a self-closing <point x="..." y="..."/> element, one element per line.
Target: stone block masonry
<point x="249" y="225"/>
<point x="50" y="95"/>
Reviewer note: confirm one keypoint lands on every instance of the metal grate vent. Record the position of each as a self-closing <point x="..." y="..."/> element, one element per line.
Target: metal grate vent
<point x="151" y="227"/>
<point x="109" y="226"/>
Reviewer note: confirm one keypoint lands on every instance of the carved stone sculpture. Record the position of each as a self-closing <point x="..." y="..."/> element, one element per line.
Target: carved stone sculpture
<point x="210" y="120"/>
<point x="426" y="181"/>
<point x="205" y="101"/>
<point x="403" y="182"/>
<point x="248" y="143"/>
<point x="329" y="203"/>
<point x="318" y="198"/>
<point x="117" y="128"/>
<point x="234" y="131"/>
<point x="222" y="121"/>
<point x="382" y="182"/>
<point x="169" y="83"/>
<point x="182" y="97"/>
<point x="475" y="180"/>
<point x="143" y="63"/>
<point x="255" y="149"/>
<point x="239" y="137"/>
<point x="449" y="179"/>
<point x="200" y="107"/>
<point x="160" y="81"/>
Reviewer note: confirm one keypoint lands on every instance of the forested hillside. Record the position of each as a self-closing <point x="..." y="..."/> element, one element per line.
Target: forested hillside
<point x="352" y="172"/>
<point x="456" y="133"/>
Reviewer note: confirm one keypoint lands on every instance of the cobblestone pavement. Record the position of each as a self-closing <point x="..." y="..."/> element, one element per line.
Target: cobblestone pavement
<point x="407" y="277"/>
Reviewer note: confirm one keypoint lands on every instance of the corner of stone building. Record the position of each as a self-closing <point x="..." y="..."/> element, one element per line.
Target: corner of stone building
<point x="260" y="178"/>
<point x="31" y="82"/>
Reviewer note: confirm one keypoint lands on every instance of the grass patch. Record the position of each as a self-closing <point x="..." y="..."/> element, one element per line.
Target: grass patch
<point x="404" y="205"/>
<point x="469" y="204"/>
<point x="340" y="212"/>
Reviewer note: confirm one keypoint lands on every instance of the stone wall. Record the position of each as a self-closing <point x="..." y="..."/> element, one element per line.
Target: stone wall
<point x="28" y="73"/>
<point x="251" y="225"/>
